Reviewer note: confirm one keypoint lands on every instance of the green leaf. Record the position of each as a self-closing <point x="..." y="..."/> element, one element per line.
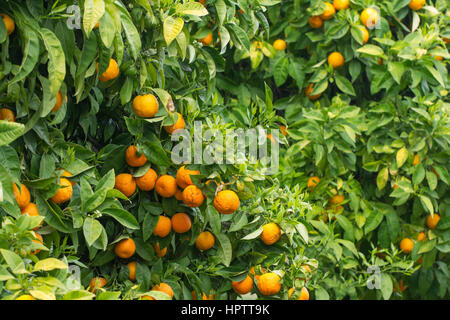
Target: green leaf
<point x="371" y="49"/>
<point x="396" y="69"/>
<point x="49" y="264"/>
<point x="344" y="85"/>
<point x="224" y="248"/>
<point x="14" y="261"/>
<point x="254" y="234"/>
<point x="382" y="178"/>
<point x="93" y="11"/>
<point x="78" y="295"/>
<point x="401" y="157"/>
<point x="172" y="27"/>
<point x="30" y="56"/>
<point x="132" y="34"/>
<point x="192" y="8"/>
<point x="92" y="229"/>
<point x="426" y="203"/>
<point x="123" y="217"/>
<point x="386" y="286"/>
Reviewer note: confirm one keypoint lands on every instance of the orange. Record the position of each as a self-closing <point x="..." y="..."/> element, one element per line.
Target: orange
<point x="111" y="72"/>
<point x="369" y="17"/>
<point x="177" y="125"/>
<point x="183" y="177"/>
<point x="97" y="25"/>
<point x="163" y="227"/>
<point x="204" y="241"/>
<point x="269" y="284"/>
<point x="257" y="44"/>
<point x="312" y="182"/>
<point x="193" y="196"/>
<point x="438" y="58"/>
<point x="160" y="253"/>
<point x="271" y="233"/>
<point x="133" y="159"/>
<point x="365" y="33"/>
<point x="145" y="106"/>
<point x="68" y="174"/>
<point x="147" y="181"/>
<point x="181" y="222"/>
<point x="6" y="114"/>
<point x="226" y="202"/>
<point x="252" y="271"/>
<point x="96" y="283"/>
<point x="37" y="240"/>
<point x="341" y="4"/>
<point x="126" y="184"/>
<point x="432" y="221"/>
<point x="329" y="12"/>
<point x="59" y="101"/>
<point x="125" y="248"/>
<point x="279" y="44"/>
<point x="64" y="193"/>
<point x="337" y="199"/>
<point x="290" y="292"/>
<point x="210" y="297"/>
<point x="32" y="210"/>
<point x="304" y="294"/>
<point x="315" y="22"/>
<point x="283" y="130"/>
<point x="244" y="286"/>
<point x="308" y="91"/>
<point x="416" y="4"/>
<point x="164" y="287"/>
<point x="179" y="195"/>
<point x="395" y="187"/>
<point x="207" y="40"/>
<point x="25" y="297"/>
<point x="416" y="160"/>
<point x="166" y="186"/>
<point x="421" y="237"/>
<point x="336" y="60"/>
<point x="9" y="23"/>
<point x="147" y="298"/>
<point x="23" y="196"/>
<point x="406" y="245"/>
<point x="132" y="271"/>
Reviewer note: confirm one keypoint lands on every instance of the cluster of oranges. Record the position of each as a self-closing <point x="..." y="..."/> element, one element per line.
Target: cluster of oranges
<point x="407" y="244"/>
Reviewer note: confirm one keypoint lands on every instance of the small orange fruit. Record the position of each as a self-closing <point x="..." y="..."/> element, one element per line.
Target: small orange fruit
<point x="193" y="196"/>
<point x="183" y="177"/>
<point x="369" y="17"/>
<point x="416" y="160"/>
<point x="336" y="60"/>
<point x="146" y="297"/>
<point x="329" y="12"/>
<point x="111" y="72"/>
<point x="395" y="186"/>
<point x="177" y="125"/>
<point x="313" y="182"/>
<point x="163" y="227"/>
<point x="271" y="233"/>
<point x="59" y="101"/>
<point x="226" y="202"/>
<point x="308" y="91"/>
<point x="204" y="241"/>
<point x="32" y="210"/>
<point x="145" y="106"/>
<point x="97" y="25"/>
<point x="416" y="4"/>
<point x="164" y="287"/>
<point x="304" y="294"/>
<point x="279" y="44"/>
<point x="160" y="253"/>
<point x="438" y="58"/>
<point x="421" y="237"/>
<point x="406" y="245"/>
<point x="147" y="181"/>
<point x="7" y="114"/>
<point x="283" y="130"/>
<point x="253" y="272"/>
<point x="210" y="297"/>
<point x="96" y="283"/>
<point x="269" y="284"/>
<point x="181" y="222"/>
<point x="23" y="196"/>
<point x="207" y="40"/>
<point x="64" y="193"/>
<point x="125" y="248"/>
<point x="25" y="297"/>
<point x="126" y="184"/>
<point x="315" y="22"/>
<point x="68" y="174"/>
<point x="133" y="159"/>
<point x="166" y="186"/>
<point x="432" y="221"/>
<point x="365" y="33"/>
<point x="337" y="199"/>
<point x="341" y="4"/>
<point x="132" y="270"/>
<point x="179" y="195"/>
<point x="244" y="286"/>
<point x="37" y="240"/>
<point x="9" y="23"/>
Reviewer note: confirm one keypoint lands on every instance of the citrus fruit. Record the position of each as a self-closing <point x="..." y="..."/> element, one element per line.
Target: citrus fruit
<point x="64" y="193"/>
<point x="432" y="221"/>
<point x="23" y="196"/>
<point x="163" y="227"/>
<point x="7" y="114"/>
<point x="145" y="106"/>
<point x="271" y="233"/>
<point x="193" y="196"/>
<point x="244" y="286"/>
<point x="126" y="184"/>
<point x="205" y="241"/>
<point x="147" y="181"/>
<point x="406" y="245"/>
<point x="125" y="248"/>
<point x="179" y="124"/>
<point x="279" y="44"/>
<point x="329" y="12"/>
<point x="133" y="159"/>
<point x="269" y="284"/>
<point x="183" y="177"/>
<point x="226" y="202"/>
<point x="181" y="222"/>
<point x="166" y="186"/>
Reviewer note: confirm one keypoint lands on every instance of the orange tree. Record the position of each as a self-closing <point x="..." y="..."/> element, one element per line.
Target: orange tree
<point x="91" y="95"/>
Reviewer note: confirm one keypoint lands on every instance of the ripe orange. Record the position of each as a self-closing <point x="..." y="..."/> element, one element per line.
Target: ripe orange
<point x="64" y="193"/>
<point x="177" y="125"/>
<point x="337" y="199"/>
<point x="421" y="237"/>
<point x="204" y="241"/>
<point x="133" y="159"/>
<point x="166" y="186"/>
<point x="257" y="44"/>
<point x="308" y="91"/>
<point x="438" y="58"/>
<point x="253" y="272"/>
<point x="432" y="221"/>
<point x="32" y="210"/>
<point x="183" y="177"/>
<point x="68" y="174"/>
<point x="147" y="181"/>
<point x="25" y="297"/>
<point x="37" y="240"/>
<point x="369" y="17"/>
<point x="315" y="22"/>
<point x="244" y="286"/>
<point x="7" y="114"/>
<point x="271" y="233"/>
<point x="336" y="59"/>
<point x="23" y="196"/>
<point x="96" y="283"/>
<point x="160" y="253"/>
<point x="125" y="248"/>
<point x="181" y="222"/>
<point x="341" y="4"/>
<point x="304" y="294"/>
<point x="312" y="182"/>
<point x="365" y="33"/>
<point x="226" y="202"/>
<point x="111" y="72"/>
<point x="416" y="4"/>
<point x="193" y="196"/>
<point x="416" y="160"/>
<point x="132" y="271"/>
<point x="279" y="44"/>
<point x="283" y="130"/>
<point x="210" y="297"/>
<point x="163" y="227"/>
<point x="207" y="40"/>
<point x="9" y="23"/>
<point x="145" y="106"/>
<point x="59" y="101"/>
<point x="126" y="184"/>
<point x="269" y="284"/>
<point x="329" y="12"/>
<point x="406" y="245"/>
<point x="97" y="25"/>
<point x="164" y="287"/>
<point x="179" y="195"/>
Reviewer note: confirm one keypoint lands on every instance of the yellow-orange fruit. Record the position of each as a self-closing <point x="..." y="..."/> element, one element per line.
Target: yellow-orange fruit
<point x="341" y="4"/>
<point x="9" y="23"/>
<point x="207" y="40"/>
<point x="163" y="227"/>
<point x="132" y="271"/>
<point x="308" y="92"/>
<point x="68" y="174"/>
<point x="179" y="195"/>
<point x="193" y="196"/>
<point x="304" y="294"/>
<point x="111" y="72"/>
<point x="160" y="253"/>
<point x="406" y="245"/>
<point x="64" y="193"/>
<point x="145" y="106"/>
<point x="181" y="222"/>
<point x="177" y="125"/>
<point x="336" y="59"/>
<point x="365" y="33"/>
<point x="133" y="159"/>
<point x="183" y="177"/>
<point x="125" y="248"/>
<point x="416" y="4"/>
<point x="432" y="221"/>
<point x="126" y="184"/>
<point x="7" y="114"/>
<point x="271" y="233"/>
<point x="329" y="12"/>
<point x="147" y="181"/>
<point x="59" y="101"/>
<point x="279" y="44"/>
<point x="96" y="283"/>
<point x="337" y="199"/>
<point x="32" y="210"/>
<point x="283" y="130"/>
<point x="369" y="17"/>
<point x="23" y="196"/>
<point x="416" y="160"/>
<point x="312" y="182"/>
<point x="421" y="237"/>
<point x="25" y="297"/>
<point x="315" y="22"/>
<point x="269" y="284"/>
<point x="205" y="241"/>
<point x="253" y="272"/>
<point x="164" y="287"/>
<point x="166" y="186"/>
<point x="244" y="286"/>
<point x="226" y="202"/>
